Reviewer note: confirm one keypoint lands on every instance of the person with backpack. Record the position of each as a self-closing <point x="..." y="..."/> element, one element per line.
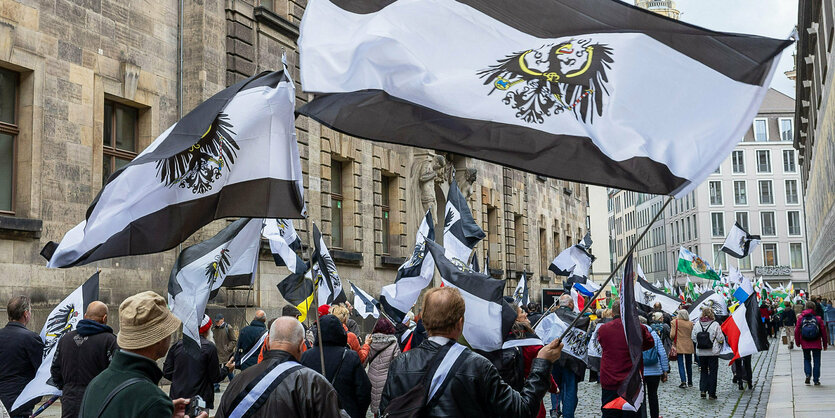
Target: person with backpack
<point x="682" y="329"/>
<point x="709" y="339"/>
<point x="656" y="368"/>
<point x="383" y="349"/>
<point x="343" y="368"/>
<point x="789" y="319"/>
<point x="810" y="334"/>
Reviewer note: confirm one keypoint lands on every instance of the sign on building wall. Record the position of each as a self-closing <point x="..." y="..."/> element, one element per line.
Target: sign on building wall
<point x="772" y="271"/>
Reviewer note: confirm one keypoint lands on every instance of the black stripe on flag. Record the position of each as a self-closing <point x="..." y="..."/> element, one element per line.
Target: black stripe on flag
<point x="755" y="324"/>
<point x="90" y="290"/>
<point x="630" y="388"/>
<point x="296" y="288"/>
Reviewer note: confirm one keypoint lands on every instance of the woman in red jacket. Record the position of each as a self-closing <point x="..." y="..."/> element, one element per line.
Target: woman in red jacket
<point x="811" y="340"/>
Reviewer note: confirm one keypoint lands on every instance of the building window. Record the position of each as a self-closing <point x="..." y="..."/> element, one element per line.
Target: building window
<point x="786" y="129"/>
<point x="740" y="193"/>
<point x="119" y="137"/>
<point x="760" y="130"/>
<point x="717" y="221"/>
<point x="337" y="206"/>
<point x="689" y="236"/>
<point x="770" y="254"/>
<point x="519" y="242"/>
<point x="9" y="82"/>
<point x="789" y="165"/>
<point x="791" y="192"/>
<point x="385" y="213"/>
<point x="738" y="162"/>
<point x="745" y="262"/>
<point x="766" y="192"/>
<point x="768" y="227"/>
<point x="742" y="220"/>
<point x="796" y="252"/>
<point x="492" y="235"/>
<point x="715" y="193"/>
<point x="719" y="260"/>
<point x="763" y="161"/>
<point x="543" y="253"/>
<point x="695" y="228"/>
<point x="794" y="222"/>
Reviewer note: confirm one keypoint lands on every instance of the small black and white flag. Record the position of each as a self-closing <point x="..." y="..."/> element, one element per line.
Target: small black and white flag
<point x="520" y="294"/>
<point x="412" y="277"/>
<point x="739" y="242"/>
<point x="474" y="263"/>
<point x="324" y="272"/>
<point x="648" y="295"/>
<point x="461" y="233"/>
<point x="487" y="317"/>
<point x="574" y="262"/>
<point x="586" y="242"/>
<point x="234" y="155"/>
<point x="547" y="87"/>
<point x="230" y="257"/>
<point x="63" y="319"/>
<point x="283" y="243"/>
<point x="364" y="304"/>
<point x="708" y="299"/>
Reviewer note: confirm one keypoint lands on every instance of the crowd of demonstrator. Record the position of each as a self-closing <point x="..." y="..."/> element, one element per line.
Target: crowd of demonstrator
<point x="395" y="368"/>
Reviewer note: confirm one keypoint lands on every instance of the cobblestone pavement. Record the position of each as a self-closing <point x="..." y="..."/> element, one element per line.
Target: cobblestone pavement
<point x="675" y="402"/>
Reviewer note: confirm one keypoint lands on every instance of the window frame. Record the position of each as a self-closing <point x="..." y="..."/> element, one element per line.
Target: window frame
<point x="747" y="225"/>
<point x="760" y="192"/>
<point x="718" y="253"/>
<point x="337" y="199"/>
<point x="754" y="128"/>
<point x="13" y="130"/>
<point x="780" y="128"/>
<point x="385" y="214"/>
<point x="793" y="161"/>
<point x="713" y="231"/>
<point x="773" y="223"/>
<point x="745" y="192"/>
<point x="802" y="261"/>
<point x="796" y="191"/>
<point x="767" y="153"/>
<point x="776" y="254"/>
<point x="720" y="194"/>
<point x="799" y="224"/>
<point x="734" y="162"/>
<point x="110" y="152"/>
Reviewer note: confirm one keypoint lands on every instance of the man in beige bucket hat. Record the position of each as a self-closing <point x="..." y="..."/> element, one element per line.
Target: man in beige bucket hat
<point x="128" y="387"/>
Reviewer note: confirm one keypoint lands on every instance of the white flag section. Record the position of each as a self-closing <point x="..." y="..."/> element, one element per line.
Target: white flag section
<point x="649" y="295"/>
<point x="231" y="255"/>
<point x="60" y="321"/>
<point x="283" y="239"/>
<point x="461" y="233"/>
<point x="708" y="299"/>
<point x="412" y="277"/>
<point x="520" y="294"/>
<point x="573" y="261"/>
<point x="548" y="87"/>
<point x="324" y="272"/>
<point x="364" y="304"/>
<point x="739" y="242"/>
<point x="235" y="155"/>
<point x="552" y="326"/>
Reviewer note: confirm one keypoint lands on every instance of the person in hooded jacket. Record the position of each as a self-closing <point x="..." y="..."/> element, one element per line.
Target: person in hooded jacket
<point x="81" y="355"/>
<point x="811" y="346"/>
<point x="708" y="357"/>
<point x="343" y="368"/>
<point x="382" y="349"/>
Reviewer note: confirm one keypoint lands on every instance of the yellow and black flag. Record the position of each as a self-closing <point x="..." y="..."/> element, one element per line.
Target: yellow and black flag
<point x="298" y="290"/>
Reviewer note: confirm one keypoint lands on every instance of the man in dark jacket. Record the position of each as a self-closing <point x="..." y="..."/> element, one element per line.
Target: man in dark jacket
<point x="195" y="376"/>
<point x="342" y="367"/>
<point x="145" y="328"/>
<point x="474" y="388"/>
<point x="535" y="313"/>
<point x="301" y="393"/>
<point x="225" y="340"/>
<point x="251" y="336"/>
<point x="789" y="318"/>
<point x="568" y="371"/>
<point x="21" y="353"/>
<point x="81" y="355"/>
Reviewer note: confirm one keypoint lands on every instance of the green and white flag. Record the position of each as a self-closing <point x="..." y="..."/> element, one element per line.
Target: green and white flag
<point x="693" y="265"/>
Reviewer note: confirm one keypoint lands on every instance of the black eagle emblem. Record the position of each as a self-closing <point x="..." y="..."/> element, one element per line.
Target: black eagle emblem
<point x="556" y="78"/>
<point x="59" y="324"/>
<point x="201" y="164"/>
<point x="217" y="268"/>
<point x="448" y="219"/>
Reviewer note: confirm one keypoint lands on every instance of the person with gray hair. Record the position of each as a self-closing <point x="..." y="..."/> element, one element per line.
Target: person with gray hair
<point x="20" y="356"/>
<point x="289" y="389"/>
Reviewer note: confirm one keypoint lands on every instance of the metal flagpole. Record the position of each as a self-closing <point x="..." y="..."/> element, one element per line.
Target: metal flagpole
<point x="315" y="294"/>
<point x="620" y="264"/>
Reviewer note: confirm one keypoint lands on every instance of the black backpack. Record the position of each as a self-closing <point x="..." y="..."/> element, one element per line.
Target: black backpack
<point x="809" y="329"/>
<point x="703" y="340"/>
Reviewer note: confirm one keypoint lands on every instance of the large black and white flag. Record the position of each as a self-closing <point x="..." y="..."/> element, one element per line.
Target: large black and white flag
<point x="648" y="295"/>
<point x="574" y="262"/>
<point x="412" y="277"/>
<point x="364" y="304"/>
<point x="548" y="87"/>
<point x="461" y="233"/>
<point x="487" y="318"/>
<point x="709" y="299"/>
<point x="230" y="257"/>
<point x="324" y="272"/>
<point x="554" y="324"/>
<point x="63" y="319"/>
<point x="739" y="242"/>
<point x="234" y="155"/>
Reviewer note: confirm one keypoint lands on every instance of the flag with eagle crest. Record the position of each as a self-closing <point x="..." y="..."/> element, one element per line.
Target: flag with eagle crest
<point x="412" y="276"/>
<point x="234" y="155"/>
<point x="60" y="321"/>
<point x="596" y="91"/>
<point x="324" y="272"/>
<point x="461" y="233"/>
<point x="228" y="258"/>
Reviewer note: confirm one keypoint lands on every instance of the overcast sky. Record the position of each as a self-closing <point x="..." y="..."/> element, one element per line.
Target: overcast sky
<point x="772" y="18"/>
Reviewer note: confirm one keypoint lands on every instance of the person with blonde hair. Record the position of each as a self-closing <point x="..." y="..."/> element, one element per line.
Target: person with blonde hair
<point x="682" y="329"/>
<point x="709" y="339"/>
<point x="342" y="313"/>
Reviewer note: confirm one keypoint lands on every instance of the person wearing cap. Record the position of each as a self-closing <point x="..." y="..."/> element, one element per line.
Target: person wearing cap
<point x="195" y="376"/>
<point x="226" y="340"/>
<point x="81" y="355"/>
<point x="128" y="387"/>
<point x="250" y="336"/>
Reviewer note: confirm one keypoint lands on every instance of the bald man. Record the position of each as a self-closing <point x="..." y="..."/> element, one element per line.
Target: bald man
<point x="250" y="336"/>
<point x="295" y="390"/>
<point x="81" y="355"/>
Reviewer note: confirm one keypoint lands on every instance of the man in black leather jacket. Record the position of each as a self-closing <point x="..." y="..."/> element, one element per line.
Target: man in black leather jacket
<point x="475" y="388"/>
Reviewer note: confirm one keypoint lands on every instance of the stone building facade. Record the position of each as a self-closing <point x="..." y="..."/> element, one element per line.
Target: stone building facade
<point x="86" y="85"/>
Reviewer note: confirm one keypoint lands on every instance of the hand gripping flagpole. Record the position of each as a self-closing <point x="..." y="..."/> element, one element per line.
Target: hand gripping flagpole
<point x="312" y="247"/>
<point x="615" y="270"/>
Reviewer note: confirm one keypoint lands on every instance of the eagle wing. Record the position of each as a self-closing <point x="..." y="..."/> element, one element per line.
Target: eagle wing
<point x="507" y="70"/>
<point x="591" y="83"/>
<point x="218" y="141"/>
